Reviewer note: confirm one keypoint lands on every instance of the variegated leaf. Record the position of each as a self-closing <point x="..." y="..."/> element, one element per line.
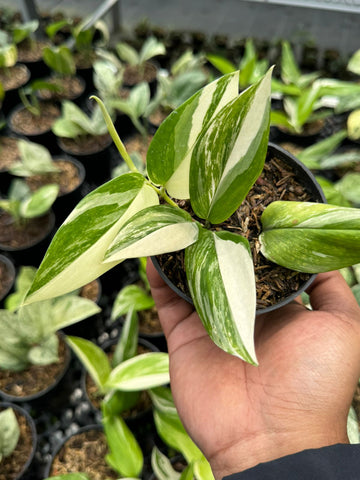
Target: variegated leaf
<point x="230" y="154"/>
<point x="93" y="358"/>
<point x="168" y="156"/>
<point x="152" y="231"/>
<point x="144" y="371"/>
<point x="202" y="470"/>
<point x="221" y="279"/>
<point x="75" y="255"/>
<point x="311" y="237"/>
<point x="162" y="467"/>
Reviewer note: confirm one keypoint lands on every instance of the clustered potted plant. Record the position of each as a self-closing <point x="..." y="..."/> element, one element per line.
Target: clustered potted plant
<point x="236" y="224"/>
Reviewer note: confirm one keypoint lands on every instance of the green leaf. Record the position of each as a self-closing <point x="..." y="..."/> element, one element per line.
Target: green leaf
<point x="46" y="352"/>
<point x="230" y="154"/>
<point x="290" y="72"/>
<point x="162" y="467"/>
<point x="353" y="427"/>
<point x="128" y="342"/>
<point x="349" y="186"/>
<point x="202" y="470"/>
<point x="354" y="63"/>
<point x="163" y="401"/>
<point x="141" y="372"/>
<point x="93" y="358"/>
<point x="150" y="49"/>
<point x="59" y="59"/>
<point x="75" y="255"/>
<point x="125" y="455"/>
<point x="227" y="304"/>
<point x="131" y="297"/>
<point x="8" y="56"/>
<point x="316" y="152"/>
<point x="24" y="279"/>
<point x="222" y="64"/>
<point x="310" y="237"/>
<point x="331" y="192"/>
<point x="36" y="159"/>
<point x="127" y="53"/>
<point x="9" y="432"/>
<point x="173" y="433"/>
<point x="168" y="156"/>
<point x="40" y="201"/>
<point x="353" y="125"/>
<point x="154" y="230"/>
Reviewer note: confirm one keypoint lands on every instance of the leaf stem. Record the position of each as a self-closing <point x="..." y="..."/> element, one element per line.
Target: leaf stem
<point x="114" y="135"/>
<point x="162" y="193"/>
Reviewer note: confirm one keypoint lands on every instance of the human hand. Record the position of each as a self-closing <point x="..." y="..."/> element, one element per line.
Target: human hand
<point x="297" y="398"/>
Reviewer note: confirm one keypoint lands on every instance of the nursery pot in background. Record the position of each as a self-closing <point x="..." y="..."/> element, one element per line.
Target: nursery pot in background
<point x="284" y="287"/>
<point x="18" y="464"/>
<point x="7" y="276"/>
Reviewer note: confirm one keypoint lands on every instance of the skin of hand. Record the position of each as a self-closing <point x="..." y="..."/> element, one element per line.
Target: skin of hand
<point x="298" y="397"/>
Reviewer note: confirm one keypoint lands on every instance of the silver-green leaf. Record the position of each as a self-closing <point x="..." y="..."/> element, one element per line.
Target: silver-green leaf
<point x="221" y="279"/>
<point x="230" y="154"/>
<point x="310" y="237"/>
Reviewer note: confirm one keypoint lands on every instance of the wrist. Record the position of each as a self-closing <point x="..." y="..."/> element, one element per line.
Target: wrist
<point x="248" y="453"/>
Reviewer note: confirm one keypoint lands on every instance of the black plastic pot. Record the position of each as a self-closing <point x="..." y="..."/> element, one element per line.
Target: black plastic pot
<point x="11" y="98"/>
<point x="25" y="468"/>
<point x="307" y="178"/>
<point x="9" y="268"/>
<point x="52" y="396"/>
<point x="65" y="203"/>
<point x="33" y="252"/>
<point x="97" y="163"/>
<point x="45" y="136"/>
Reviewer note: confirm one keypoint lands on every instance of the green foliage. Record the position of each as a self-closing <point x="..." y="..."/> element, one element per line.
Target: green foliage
<point x="60" y="60"/>
<point x="31" y="330"/>
<point x="35" y="159"/>
<point x="150" y="49"/>
<point x="9" y="432"/>
<point x="209" y="151"/>
<point x="23" y="31"/>
<point x="74" y="122"/>
<point x="22" y="204"/>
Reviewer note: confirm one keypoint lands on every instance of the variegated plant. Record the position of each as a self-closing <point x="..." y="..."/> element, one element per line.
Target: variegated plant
<point x="210" y="150"/>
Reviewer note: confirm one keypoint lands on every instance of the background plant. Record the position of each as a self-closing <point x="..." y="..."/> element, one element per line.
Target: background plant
<point x="9" y="432"/>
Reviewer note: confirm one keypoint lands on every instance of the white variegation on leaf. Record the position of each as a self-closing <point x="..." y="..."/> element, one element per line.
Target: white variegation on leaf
<point x="168" y="156"/>
<point x="311" y="237"/>
<point x="162" y="467"/>
<point x="144" y="371"/>
<point x="93" y="358"/>
<point x="86" y="234"/>
<point x="152" y="231"/>
<point x="226" y="306"/>
<point x="230" y="153"/>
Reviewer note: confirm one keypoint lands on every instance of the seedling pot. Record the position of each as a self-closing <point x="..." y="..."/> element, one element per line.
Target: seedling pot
<point x="32" y="252"/>
<point x="50" y="397"/>
<point x="7" y="276"/>
<point x="307" y="180"/>
<point x="12" y="98"/>
<point x="24" y="465"/>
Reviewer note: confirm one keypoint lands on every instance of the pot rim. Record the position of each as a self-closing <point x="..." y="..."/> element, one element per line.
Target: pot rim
<point x="31" y="423"/>
<point x="303" y="171"/>
<point x="12" y="271"/>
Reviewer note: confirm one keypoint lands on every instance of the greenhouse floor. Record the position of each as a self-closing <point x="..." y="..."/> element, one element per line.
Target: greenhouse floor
<point x="239" y="19"/>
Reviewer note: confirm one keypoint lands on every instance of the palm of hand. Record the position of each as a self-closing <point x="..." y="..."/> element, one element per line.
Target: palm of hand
<point x="299" y="395"/>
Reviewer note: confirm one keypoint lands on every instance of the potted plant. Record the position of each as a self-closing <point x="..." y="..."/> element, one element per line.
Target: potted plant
<point x="18" y="441"/>
<point x="212" y="150"/>
<point x="61" y="63"/>
<point x="39" y="168"/>
<point x="27" y="221"/>
<point x="33" y="118"/>
<point x="86" y="138"/>
<point x="13" y="75"/>
<point x="35" y="357"/>
<point x="139" y="66"/>
<point x="102" y="366"/>
<point x="7" y="276"/>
